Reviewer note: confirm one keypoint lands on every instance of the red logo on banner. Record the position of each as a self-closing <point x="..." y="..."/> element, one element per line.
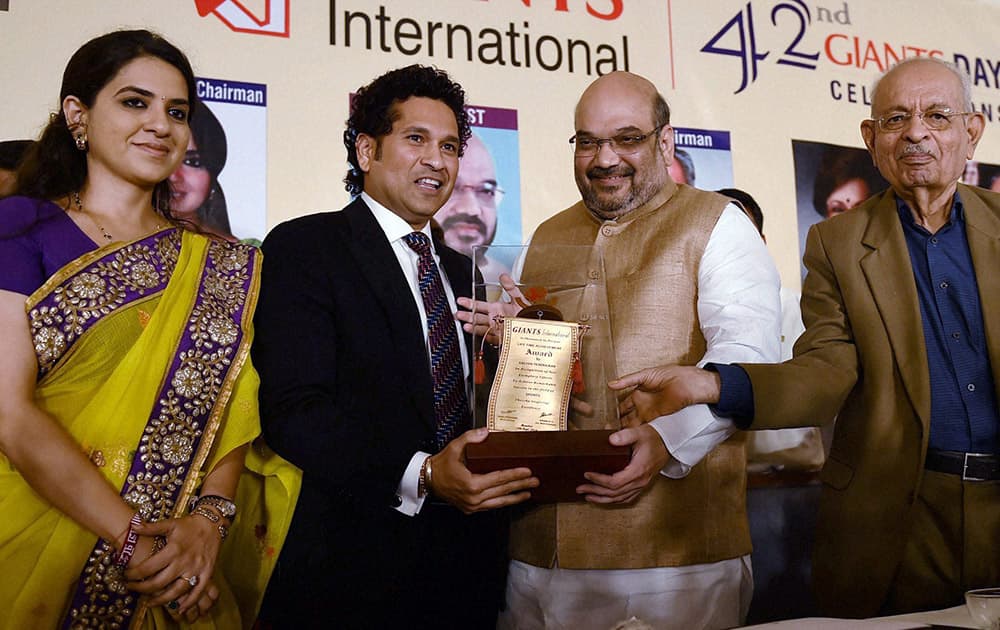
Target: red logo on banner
<point x="240" y="19"/>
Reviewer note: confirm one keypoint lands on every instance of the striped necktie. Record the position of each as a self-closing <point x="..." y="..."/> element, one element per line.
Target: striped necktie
<point x="451" y="404"/>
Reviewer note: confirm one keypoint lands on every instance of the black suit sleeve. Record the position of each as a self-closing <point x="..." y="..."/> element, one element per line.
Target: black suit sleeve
<point x="323" y="407"/>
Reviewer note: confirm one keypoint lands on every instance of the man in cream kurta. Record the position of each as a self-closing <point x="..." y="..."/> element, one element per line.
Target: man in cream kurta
<point x="666" y="538"/>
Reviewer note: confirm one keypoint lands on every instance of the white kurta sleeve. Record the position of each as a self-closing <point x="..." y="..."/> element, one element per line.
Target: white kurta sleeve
<point x="740" y="314"/>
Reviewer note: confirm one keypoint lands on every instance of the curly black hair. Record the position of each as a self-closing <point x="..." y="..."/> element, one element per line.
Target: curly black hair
<point x="373" y="110"/>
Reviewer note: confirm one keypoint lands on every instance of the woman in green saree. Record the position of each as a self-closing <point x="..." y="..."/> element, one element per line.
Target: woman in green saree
<point x="128" y="405"/>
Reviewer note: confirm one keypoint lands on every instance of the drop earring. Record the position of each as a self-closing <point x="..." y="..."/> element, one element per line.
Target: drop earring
<point x="79" y="131"/>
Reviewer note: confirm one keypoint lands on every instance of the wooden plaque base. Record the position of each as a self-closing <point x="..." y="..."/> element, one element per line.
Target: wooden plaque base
<point x="557" y="458"/>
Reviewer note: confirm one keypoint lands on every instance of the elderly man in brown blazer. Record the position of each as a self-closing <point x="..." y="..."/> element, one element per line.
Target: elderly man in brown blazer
<point x="902" y="311"/>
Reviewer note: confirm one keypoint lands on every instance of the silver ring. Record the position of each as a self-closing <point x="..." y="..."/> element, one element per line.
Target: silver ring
<point x="193" y="580"/>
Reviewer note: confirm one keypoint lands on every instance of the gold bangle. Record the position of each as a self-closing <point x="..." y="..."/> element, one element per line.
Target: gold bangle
<point x="429" y="475"/>
<point x="423" y="481"/>
<point x="225" y="507"/>
<point x="207" y="513"/>
<point x="201" y="510"/>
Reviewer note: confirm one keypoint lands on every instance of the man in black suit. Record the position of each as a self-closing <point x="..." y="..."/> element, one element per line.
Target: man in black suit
<point x="391" y="529"/>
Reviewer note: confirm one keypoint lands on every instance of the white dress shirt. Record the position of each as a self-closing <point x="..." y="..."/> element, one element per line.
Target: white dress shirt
<point x="395" y="229"/>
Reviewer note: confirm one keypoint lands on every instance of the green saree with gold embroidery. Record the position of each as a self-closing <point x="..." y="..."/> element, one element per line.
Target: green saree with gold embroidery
<point x="143" y="357"/>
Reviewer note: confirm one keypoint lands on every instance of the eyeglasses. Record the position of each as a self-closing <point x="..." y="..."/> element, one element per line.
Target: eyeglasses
<point x="486" y="193"/>
<point x="622" y="144"/>
<point x="935" y="119"/>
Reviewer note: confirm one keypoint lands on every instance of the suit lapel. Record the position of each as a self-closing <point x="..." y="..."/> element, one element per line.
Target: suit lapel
<point x="889" y="273"/>
<point x="380" y="270"/>
<point x="982" y="228"/>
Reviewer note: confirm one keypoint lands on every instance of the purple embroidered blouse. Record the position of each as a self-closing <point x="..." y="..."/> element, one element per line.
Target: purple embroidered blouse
<point x="37" y="238"/>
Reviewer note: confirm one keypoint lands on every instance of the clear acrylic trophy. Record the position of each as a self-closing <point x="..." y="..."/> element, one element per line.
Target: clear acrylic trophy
<point x="541" y="385"/>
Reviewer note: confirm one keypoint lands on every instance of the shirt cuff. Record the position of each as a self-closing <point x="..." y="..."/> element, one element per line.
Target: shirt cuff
<point x="689" y="435"/>
<point x="409" y="502"/>
<point x="735" y="394"/>
<point x="674" y="468"/>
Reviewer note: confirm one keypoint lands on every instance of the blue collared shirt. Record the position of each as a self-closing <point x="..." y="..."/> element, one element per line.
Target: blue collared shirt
<point x="963" y="401"/>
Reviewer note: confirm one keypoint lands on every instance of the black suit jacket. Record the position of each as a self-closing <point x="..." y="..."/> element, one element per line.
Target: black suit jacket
<point x="346" y="395"/>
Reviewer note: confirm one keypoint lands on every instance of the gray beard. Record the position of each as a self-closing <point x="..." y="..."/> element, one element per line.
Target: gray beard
<point x="608" y="210"/>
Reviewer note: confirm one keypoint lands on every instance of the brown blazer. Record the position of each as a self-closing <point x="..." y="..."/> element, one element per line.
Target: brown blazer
<point x="863" y="360"/>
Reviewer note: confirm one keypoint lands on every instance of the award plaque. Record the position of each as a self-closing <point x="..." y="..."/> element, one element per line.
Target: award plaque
<point x="543" y="394"/>
<point x="534" y="378"/>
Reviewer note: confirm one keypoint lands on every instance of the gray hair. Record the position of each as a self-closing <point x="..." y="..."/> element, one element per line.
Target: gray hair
<point x="963" y="78"/>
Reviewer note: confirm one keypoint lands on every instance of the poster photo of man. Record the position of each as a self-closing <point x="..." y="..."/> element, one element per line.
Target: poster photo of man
<point x="484" y="209"/>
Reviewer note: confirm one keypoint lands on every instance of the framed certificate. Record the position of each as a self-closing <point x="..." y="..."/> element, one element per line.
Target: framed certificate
<point x="546" y="399"/>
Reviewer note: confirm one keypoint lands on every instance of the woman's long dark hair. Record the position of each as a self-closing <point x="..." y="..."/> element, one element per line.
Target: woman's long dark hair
<point x="54" y="167"/>
<point x="210" y="138"/>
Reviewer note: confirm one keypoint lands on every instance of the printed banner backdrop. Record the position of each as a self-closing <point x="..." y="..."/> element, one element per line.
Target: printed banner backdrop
<point x="242" y="110"/>
<point x="484" y="210"/>
<point x="765" y="71"/>
<point x="702" y="159"/>
<point x="830" y="179"/>
<point x="497" y="127"/>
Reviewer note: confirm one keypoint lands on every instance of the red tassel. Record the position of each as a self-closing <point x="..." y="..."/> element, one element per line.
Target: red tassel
<point x="479" y="372"/>
<point x="578" y="385"/>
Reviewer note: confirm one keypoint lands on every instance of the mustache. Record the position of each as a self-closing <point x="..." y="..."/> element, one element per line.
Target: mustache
<point x="455" y="219"/>
<point x="916" y="149"/>
<point x="623" y="170"/>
